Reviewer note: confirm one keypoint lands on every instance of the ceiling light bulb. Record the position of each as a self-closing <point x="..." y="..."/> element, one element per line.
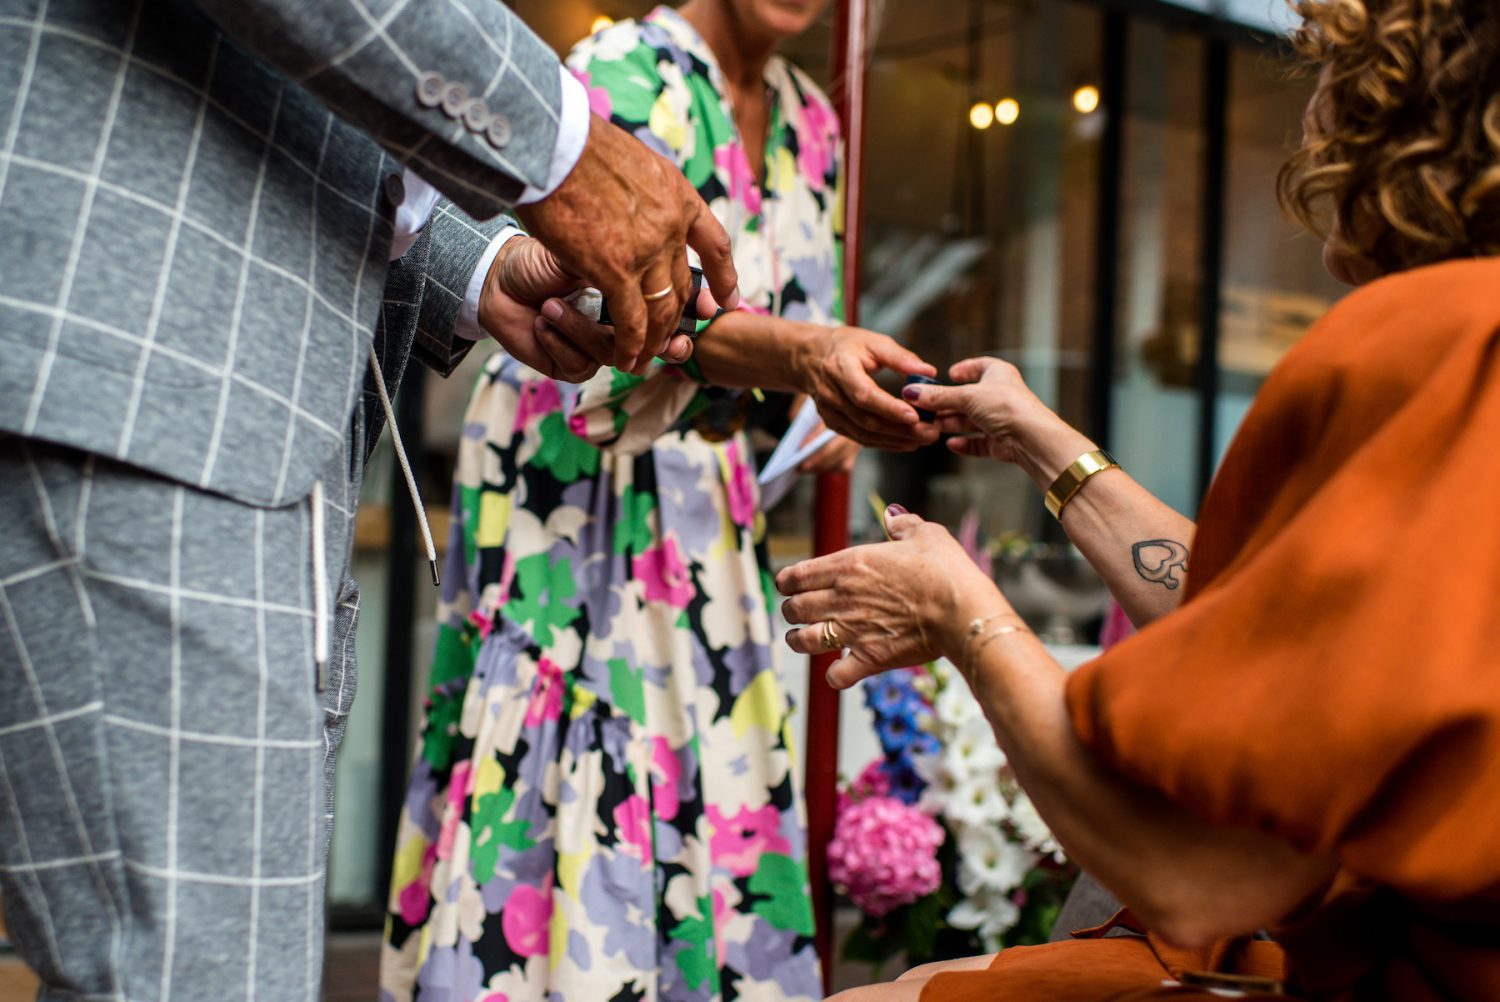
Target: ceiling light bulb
<point x="981" y="116"/>
<point x="1086" y="99"/>
<point x="1007" y="110"/>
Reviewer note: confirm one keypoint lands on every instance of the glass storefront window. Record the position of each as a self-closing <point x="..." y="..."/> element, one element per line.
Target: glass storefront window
<point x="1274" y="283"/>
<point x="1157" y="328"/>
<point x="982" y="176"/>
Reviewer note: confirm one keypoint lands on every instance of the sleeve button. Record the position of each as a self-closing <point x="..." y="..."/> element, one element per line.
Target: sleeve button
<point x="430" y="89"/>
<point x="395" y="189"/>
<point x="498" y="132"/>
<point x="455" y="96"/>
<point x="476" y="114"/>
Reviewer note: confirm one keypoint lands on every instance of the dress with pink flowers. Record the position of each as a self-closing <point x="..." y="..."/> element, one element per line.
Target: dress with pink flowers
<point x="605" y="806"/>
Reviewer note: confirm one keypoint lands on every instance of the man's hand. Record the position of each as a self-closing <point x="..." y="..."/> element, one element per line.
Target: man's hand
<point x="622" y="221"/>
<point x="523" y="277"/>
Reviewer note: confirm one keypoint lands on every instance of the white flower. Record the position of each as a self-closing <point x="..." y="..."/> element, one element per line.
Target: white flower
<point x="971" y="750"/>
<point x="985" y="910"/>
<point x="938" y="783"/>
<point x="946" y="676"/>
<point x="1031" y="828"/>
<point x="954" y="704"/>
<point x="977" y="802"/>
<point x="989" y="860"/>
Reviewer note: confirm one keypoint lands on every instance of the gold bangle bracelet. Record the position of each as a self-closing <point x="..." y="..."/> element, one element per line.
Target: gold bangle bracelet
<point x="1078" y="473"/>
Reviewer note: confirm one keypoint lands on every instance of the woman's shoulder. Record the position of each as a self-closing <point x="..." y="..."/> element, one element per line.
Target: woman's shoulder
<point x="1409" y="321"/>
<point x="626" y="41"/>
<point x="646" y="45"/>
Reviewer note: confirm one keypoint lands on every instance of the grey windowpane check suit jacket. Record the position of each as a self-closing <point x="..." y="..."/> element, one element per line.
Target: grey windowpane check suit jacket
<point x="195" y="216"/>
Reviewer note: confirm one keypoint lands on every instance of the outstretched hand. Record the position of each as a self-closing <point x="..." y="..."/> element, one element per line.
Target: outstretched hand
<point x="992" y="412"/>
<point x="622" y="220"/>
<point x="840" y="378"/>
<point x="888" y="605"/>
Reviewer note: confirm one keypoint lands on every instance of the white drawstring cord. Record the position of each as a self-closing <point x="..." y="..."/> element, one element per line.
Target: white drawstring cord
<point x="411" y="481"/>
<point x="320" y="585"/>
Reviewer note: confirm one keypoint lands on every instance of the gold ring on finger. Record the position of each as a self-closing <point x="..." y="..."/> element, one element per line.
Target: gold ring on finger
<point x="652" y="297"/>
<point x="831" y="639"/>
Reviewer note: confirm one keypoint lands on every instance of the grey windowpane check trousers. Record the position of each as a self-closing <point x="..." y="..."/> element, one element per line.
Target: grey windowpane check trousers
<point x="165" y="756"/>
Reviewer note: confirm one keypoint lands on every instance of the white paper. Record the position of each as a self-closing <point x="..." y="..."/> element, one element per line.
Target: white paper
<point x="790" y="451"/>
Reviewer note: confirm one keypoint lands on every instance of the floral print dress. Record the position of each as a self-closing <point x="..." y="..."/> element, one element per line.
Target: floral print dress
<point x="605" y="805"/>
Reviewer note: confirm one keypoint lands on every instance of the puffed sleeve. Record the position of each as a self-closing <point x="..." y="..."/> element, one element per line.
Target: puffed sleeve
<point x="1331" y="677"/>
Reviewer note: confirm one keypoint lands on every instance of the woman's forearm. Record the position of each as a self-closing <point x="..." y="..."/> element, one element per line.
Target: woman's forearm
<point x="744" y="349"/>
<point x="1190" y="881"/>
<point x="1138" y="544"/>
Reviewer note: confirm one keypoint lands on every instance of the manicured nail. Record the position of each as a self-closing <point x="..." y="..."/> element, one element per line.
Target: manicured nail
<point x="911" y="393"/>
<point x="829" y="679"/>
<point x="552" y="309"/>
<point x="894" y="511"/>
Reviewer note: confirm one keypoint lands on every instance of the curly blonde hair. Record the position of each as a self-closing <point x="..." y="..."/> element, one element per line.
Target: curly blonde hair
<point x="1402" y="137"/>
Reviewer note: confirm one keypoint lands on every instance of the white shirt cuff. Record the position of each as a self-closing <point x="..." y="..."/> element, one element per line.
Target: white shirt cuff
<point x="412" y="212"/>
<point x="572" y="135"/>
<point x="467" y="324"/>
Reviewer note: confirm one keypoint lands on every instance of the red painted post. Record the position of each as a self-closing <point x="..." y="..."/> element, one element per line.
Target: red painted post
<point x="831" y="517"/>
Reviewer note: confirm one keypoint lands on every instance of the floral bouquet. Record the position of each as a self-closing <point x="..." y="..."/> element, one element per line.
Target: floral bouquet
<point x="935" y="842"/>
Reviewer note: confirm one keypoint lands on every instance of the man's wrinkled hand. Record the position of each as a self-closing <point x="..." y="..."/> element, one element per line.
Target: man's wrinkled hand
<point x="623" y="220"/>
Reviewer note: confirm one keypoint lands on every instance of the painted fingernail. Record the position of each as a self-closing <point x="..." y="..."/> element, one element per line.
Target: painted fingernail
<point x="895" y="511"/>
<point x="552" y="309"/>
<point x="911" y="393"/>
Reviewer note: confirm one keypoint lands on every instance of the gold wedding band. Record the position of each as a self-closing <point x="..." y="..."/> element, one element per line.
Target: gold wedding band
<point x="663" y="294"/>
<point x="831" y="639"/>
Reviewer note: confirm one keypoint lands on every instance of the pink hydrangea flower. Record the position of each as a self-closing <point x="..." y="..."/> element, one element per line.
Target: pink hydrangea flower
<point x="527" y="915"/>
<point x="546" y="694"/>
<point x="740" y="840"/>
<point x="665" y="575"/>
<point x="883" y="854"/>
<point x="741" y="488"/>
<point x="873" y="781"/>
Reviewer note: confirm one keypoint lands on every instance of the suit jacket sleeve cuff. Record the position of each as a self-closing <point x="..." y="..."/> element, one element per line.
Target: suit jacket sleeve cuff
<point x="467" y="326"/>
<point x="572" y="136"/>
<point x="460" y="250"/>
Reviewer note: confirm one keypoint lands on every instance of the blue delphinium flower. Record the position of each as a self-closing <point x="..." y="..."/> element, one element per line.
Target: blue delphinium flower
<point x="923" y="743"/>
<point x="898" y="709"/>
<point x="888" y="695"/>
<point x="906" y="785"/>
<point x="895" y="732"/>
